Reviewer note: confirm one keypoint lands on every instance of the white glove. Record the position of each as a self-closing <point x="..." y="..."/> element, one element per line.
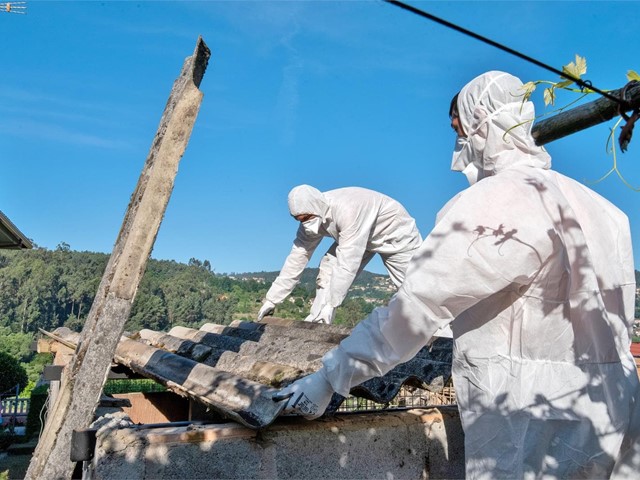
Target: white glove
<point x="267" y="308"/>
<point x="308" y="396"/>
<point x="325" y="316"/>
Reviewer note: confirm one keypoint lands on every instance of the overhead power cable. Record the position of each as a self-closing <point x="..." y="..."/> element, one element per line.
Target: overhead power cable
<point x="583" y="84"/>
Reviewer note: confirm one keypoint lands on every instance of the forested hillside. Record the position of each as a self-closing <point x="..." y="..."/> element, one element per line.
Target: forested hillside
<point x="48" y="289"/>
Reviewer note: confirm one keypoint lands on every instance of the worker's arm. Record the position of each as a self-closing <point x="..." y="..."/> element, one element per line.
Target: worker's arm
<point x="303" y="247"/>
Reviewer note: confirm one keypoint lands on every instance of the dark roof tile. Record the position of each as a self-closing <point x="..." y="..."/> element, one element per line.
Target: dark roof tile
<point x="236" y="369"/>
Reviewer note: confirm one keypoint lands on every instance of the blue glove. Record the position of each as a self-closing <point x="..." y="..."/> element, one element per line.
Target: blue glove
<point x="308" y="396"/>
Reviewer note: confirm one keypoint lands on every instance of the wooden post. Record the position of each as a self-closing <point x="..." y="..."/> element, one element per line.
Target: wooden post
<point x="82" y="382"/>
<point x="582" y="117"/>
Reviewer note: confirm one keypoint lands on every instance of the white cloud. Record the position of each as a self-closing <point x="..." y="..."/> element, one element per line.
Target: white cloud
<point x="33" y="130"/>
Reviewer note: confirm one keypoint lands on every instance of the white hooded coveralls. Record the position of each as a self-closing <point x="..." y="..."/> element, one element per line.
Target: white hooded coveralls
<point x="362" y="222"/>
<point x="535" y="274"/>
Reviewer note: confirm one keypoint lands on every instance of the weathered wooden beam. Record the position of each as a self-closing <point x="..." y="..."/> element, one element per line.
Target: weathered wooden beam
<point x="83" y="381"/>
<point x="582" y="117"/>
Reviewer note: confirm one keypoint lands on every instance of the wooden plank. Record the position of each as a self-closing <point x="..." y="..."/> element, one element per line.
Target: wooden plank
<point x="82" y="384"/>
<point x="154" y="407"/>
<point x="45" y="345"/>
<point x="582" y="117"/>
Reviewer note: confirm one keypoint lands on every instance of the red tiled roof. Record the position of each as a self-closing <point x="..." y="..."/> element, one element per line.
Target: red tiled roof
<point x="635" y="349"/>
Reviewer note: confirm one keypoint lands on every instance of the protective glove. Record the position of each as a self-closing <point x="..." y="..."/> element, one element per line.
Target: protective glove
<point x="308" y="396"/>
<point x="267" y="308"/>
<point x="325" y="316"/>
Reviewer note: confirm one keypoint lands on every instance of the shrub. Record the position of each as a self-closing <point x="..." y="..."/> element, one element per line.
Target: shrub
<point x="12" y="373"/>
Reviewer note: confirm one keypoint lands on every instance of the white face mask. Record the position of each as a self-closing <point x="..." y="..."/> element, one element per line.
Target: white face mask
<point x="462" y="155"/>
<point x="312" y="226"/>
<point x="462" y="161"/>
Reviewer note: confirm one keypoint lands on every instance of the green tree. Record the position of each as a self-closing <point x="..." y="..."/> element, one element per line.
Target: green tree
<point x="219" y="310"/>
<point x="16" y="344"/>
<point x="63" y="247"/>
<point x="12" y="373"/>
<point x="34" y="370"/>
<point x="352" y="311"/>
<point x="148" y="311"/>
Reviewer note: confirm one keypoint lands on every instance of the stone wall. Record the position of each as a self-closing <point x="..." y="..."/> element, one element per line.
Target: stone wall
<point x="388" y="445"/>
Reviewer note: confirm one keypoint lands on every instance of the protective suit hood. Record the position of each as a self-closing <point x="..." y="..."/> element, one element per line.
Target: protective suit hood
<point x="498" y="127"/>
<point x="305" y="199"/>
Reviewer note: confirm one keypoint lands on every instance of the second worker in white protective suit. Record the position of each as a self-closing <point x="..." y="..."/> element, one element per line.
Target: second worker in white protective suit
<point x="535" y="274"/>
<point x="362" y="222"/>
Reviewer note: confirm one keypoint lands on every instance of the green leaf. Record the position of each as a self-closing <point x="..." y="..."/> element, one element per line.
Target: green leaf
<point x="549" y="96"/>
<point x="632" y="75"/>
<point x="577" y="68"/>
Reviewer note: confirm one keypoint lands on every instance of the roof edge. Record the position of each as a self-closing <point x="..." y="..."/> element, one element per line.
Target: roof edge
<point x="10" y="236"/>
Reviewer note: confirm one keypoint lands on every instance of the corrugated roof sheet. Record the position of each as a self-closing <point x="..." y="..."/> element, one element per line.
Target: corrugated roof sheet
<point x="236" y="369"/>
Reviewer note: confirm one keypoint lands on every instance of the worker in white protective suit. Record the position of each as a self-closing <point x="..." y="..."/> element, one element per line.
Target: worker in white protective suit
<point x="535" y="274"/>
<point x="362" y="223"/>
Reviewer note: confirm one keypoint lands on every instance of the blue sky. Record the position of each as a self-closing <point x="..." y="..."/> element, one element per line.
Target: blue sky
<point x="331" y="94"/>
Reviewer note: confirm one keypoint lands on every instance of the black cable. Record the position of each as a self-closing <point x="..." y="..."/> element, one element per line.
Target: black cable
<point x="581" y="83"/>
